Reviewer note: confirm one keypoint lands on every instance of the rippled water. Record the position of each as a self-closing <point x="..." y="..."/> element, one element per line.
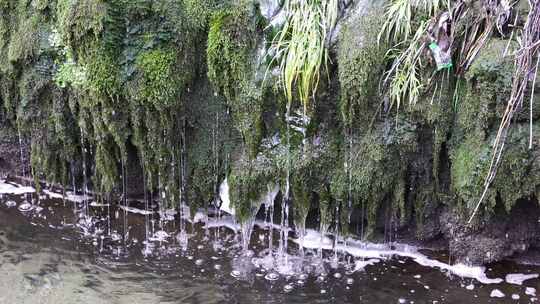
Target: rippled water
<point x="44" y="258"/>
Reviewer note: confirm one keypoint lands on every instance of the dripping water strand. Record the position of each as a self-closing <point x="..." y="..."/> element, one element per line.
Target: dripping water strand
<point x="28" y="196"/>
<point x="124" y="198"/>
<point x="285" y="200"/>
<point x="336" y="232"/>
<point x="146" y="218"/>
<point x="72" y="169"/>
<point x="85" y="178"/>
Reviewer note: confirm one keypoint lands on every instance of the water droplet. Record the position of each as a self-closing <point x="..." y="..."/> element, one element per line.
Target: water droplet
<point x="10" y="204"/>
<point x="350" y="281"/>
<point x="26" y="207"/>
<point x="288" y="287"/>
<point x="199" y="262"/>
<point x="235" y="274"/>
<point x="337" y="275"/>
<point x="272" y="276"/>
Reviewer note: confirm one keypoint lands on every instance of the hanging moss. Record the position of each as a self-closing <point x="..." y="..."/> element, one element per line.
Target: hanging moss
<point x="211" y="142"/>
<point x="233" y="37"/>
<point x="102" y="73"/>
<point x="161" y="80"/>
<point x="361" y="63"/>
<point x="248" y="182"/>
<point x="485" y="91"/>
<point x="378" y="167"/>
<point x="80" y="22"/>
<point x="517" y="176"/>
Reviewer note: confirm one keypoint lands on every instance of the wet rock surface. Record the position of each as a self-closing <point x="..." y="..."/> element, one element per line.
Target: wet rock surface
<point x="176" y="98"/>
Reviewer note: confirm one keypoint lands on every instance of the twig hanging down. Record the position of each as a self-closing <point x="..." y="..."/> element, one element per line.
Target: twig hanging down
<point x="523" y="74"/>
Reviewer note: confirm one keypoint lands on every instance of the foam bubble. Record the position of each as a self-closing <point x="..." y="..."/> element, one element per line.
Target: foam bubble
<point x="519" y="278"/>
<point x="8" y="188"/>
<point x="495" y="293"/>
<point x="314" y="240"/>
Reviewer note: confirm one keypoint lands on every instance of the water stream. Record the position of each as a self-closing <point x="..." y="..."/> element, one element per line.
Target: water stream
<point x="46" y="257"/>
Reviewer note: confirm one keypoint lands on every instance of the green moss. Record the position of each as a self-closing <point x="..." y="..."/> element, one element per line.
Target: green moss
<point x="517" y="176"/>
<point x="80" y="21"/>
<point x="377" y="170"/>
<point x="210" y="140"/>
<point x="487" y="87"/>
<point x="102" y="72"/>
<point x="232" y="40"/>
<point x="160" y="83"/>
<point x="199" y="12"/>
<point x="24" y="41"/>
<point x="361" y="62"/>
<point x="249" y="181"/>
<point x="70" y="73"/>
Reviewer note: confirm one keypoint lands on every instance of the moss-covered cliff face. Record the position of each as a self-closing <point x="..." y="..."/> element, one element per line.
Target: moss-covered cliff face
<point x="186" y="91"/>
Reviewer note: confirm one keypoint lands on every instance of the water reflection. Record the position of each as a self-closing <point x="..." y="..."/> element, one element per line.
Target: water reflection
<point x="55" y="256"/>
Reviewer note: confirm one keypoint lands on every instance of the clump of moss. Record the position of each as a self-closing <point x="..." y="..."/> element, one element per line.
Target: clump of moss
<point x="80" y="21"/>
<point x="487" y="86"/>
<point x="160" y="83"/>
<point x="517" y="177"/>
<point x="377" y="169"/>
<point x="233" y="37"/>
<point x="248" y="182"/>
<point x="361" y="63"/>
<point x="23" y="46"/>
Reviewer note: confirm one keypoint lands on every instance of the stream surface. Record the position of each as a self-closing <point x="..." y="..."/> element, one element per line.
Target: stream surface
<point x="50" y="255"/>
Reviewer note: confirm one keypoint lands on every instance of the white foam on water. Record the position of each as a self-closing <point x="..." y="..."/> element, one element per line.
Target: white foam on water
<point x="530" y="291"/>
<point x="10" y="204"/>
<point x="361" y="264"/>
<point x="25" y="207"/>
<point x="96" y="204"/>
<point x="70" y="196"/>
<point x="515" y="296"/>
<point x="135" y="210"/>
<point x="313" y="240"/>
<point x="200" y="217"/>
<point x="168" y="214"/>
<point x="159" y="236"/>
<point x="383" y="251"/>
<point x="519" y="278"/>
<point x="495" y="293"/>
<point x="225" y="221"/>
<point x="8" y="188"/>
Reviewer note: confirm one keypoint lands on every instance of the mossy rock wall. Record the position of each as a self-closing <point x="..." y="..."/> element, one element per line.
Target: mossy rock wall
<point x="183" y="90"/>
